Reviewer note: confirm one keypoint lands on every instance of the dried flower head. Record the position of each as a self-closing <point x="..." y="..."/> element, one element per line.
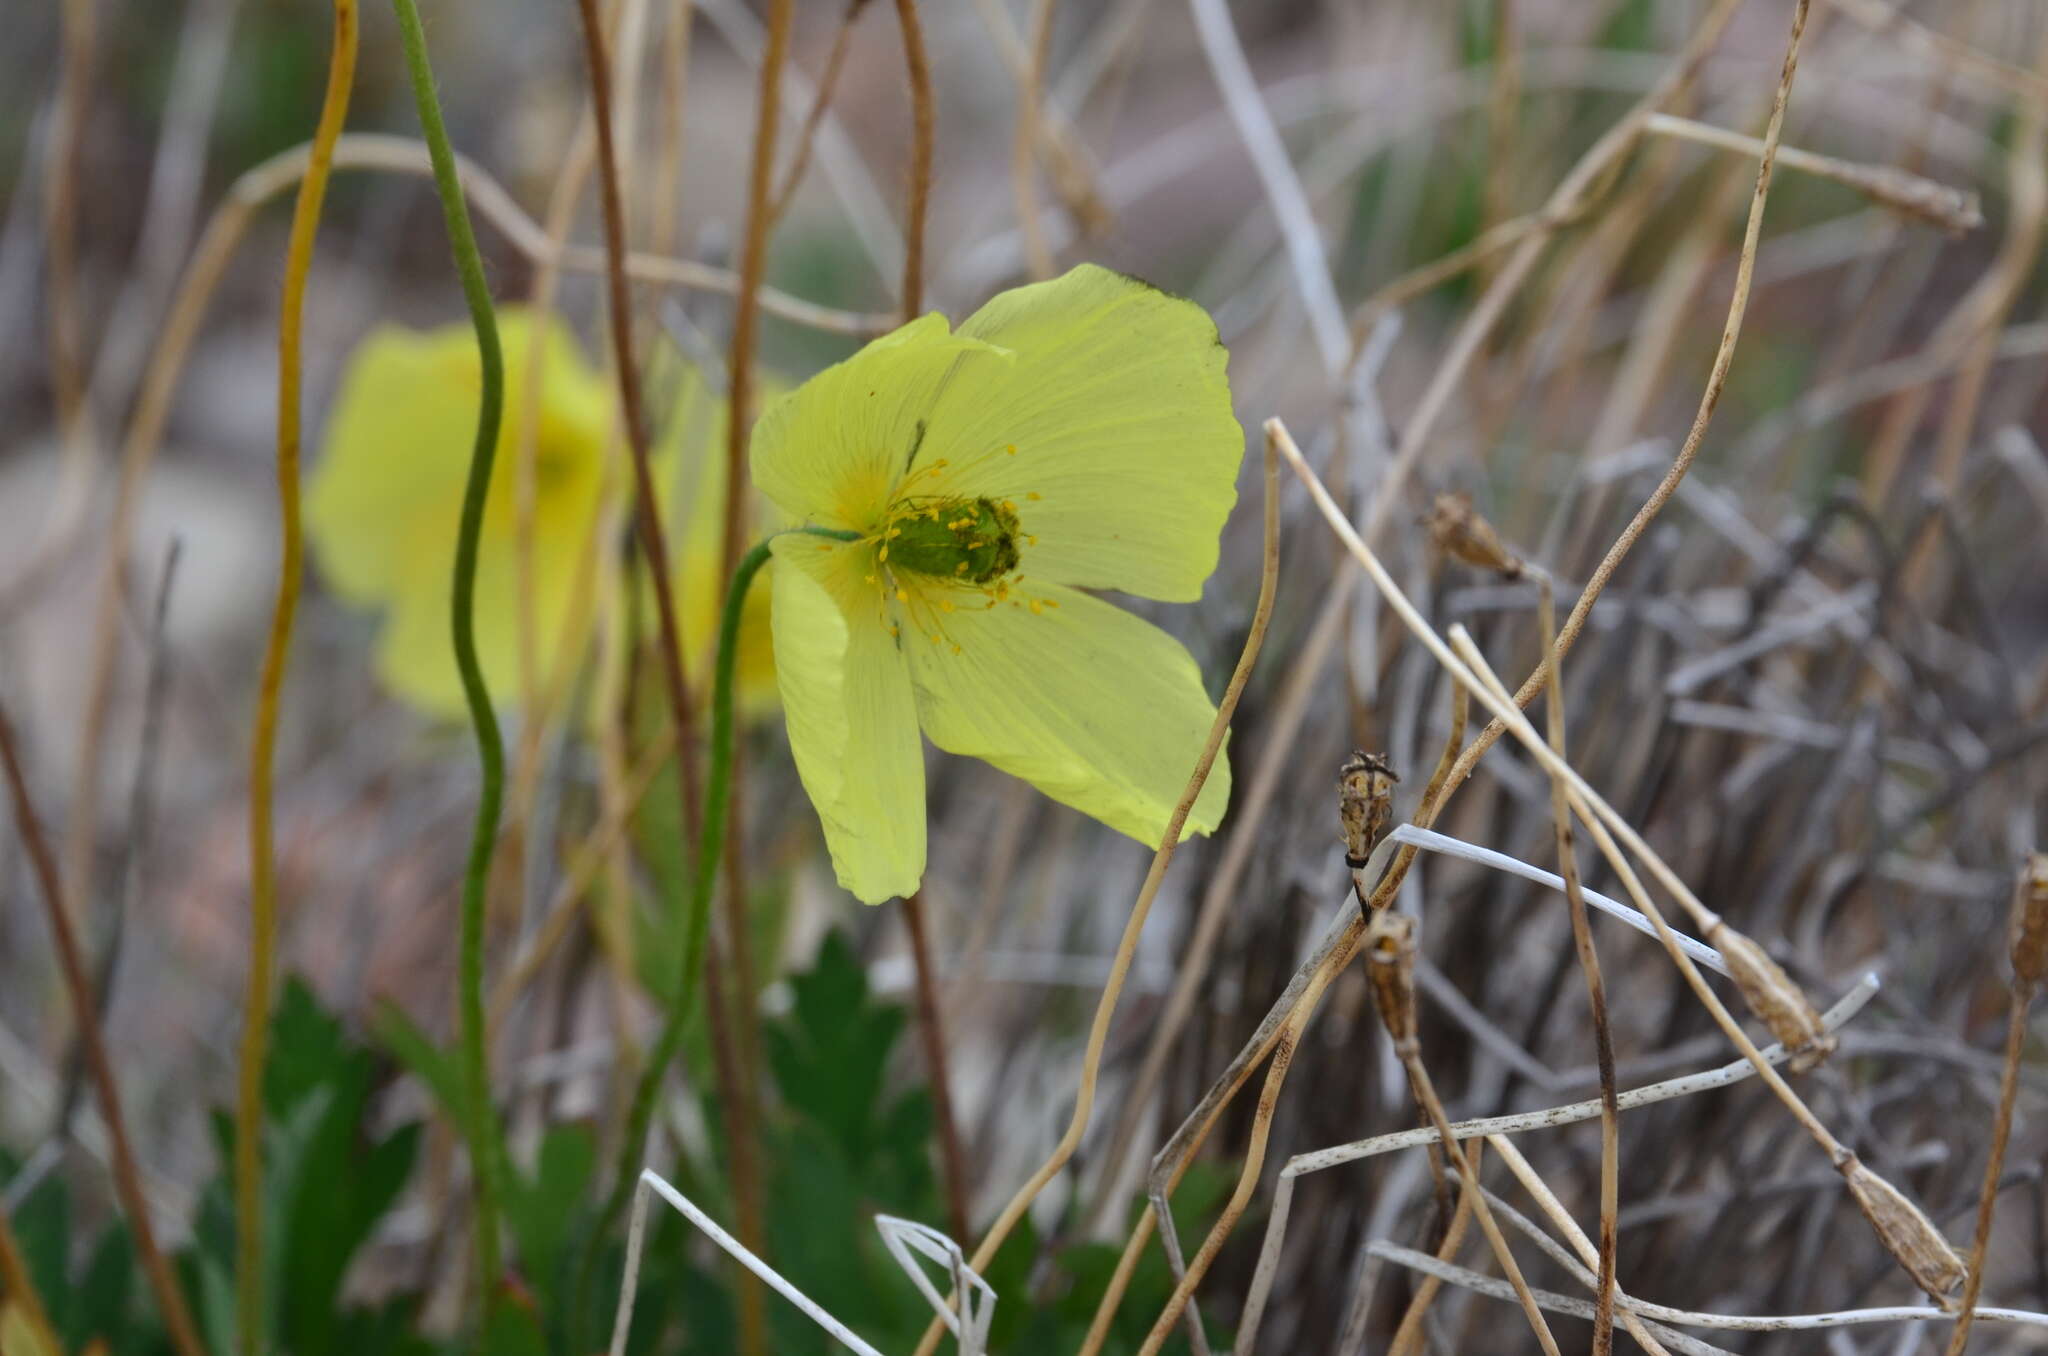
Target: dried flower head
<point x="1390" y="968"/>
<point x="1461" y="533"/>
<point x="2030" y="922"/>
<point x="1777" y="1002"/>
<point x="1905" y="1231"/>
<point x="1365" y="803"/>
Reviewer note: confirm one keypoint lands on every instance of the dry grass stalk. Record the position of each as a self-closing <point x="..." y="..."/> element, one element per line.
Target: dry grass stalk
<point x="821" y="100"/>
<point x="1335" y="950"/>
<point x="1971" y="326"/>
<point x="932" y="1037"/>
<point x="1901" y="1226"/>
<point x="1478" y="1130"/>
<point x="1594" y="1257"/>
<point x="1587" y="179"/>
<point x="1880" y="17"/>
<point x="1953" y="210"/>
<point x="1105" y="1009"/>
<point x="1409" y="1332"/>
<point x="1710" y="397"/>
<point x="1180" y="1304"/>
<point x="170" y="1298"/>
<point x="1905" y="1232"/>
<point x="652" y="540"/>
<point x="2028" y="951"/>
<point x="1390" y="970"/>
<point x="1589" y="967"/>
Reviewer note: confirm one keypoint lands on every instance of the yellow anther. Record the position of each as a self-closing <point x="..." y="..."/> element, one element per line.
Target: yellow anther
<point x="961" y="568"/>
<point x="901" y="596"/>
<point x="825" y="546"/>
<point x="1011" y="449"/>
<point x="1037" y="608"/>
<point x="1030" y="540"/>
<point x="895" y="532"/>
<point x="1010" y="504"/>
<point x="956" y="649"/>
<point x="945" y="605"/>
<point x="1034" y="496"/>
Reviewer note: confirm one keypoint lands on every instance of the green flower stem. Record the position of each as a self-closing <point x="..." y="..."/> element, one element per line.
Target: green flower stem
<point x="485" y="1147"/>
<point x="711" y="838"/>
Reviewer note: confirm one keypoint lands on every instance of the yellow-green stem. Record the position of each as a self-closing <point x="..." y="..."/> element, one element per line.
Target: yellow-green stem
<point x="249" y="1288"/>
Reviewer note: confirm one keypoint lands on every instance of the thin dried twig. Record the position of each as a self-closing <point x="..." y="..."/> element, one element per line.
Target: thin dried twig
<point x="163" y="1281"/>
<point x="1589" y="965"/>
<point x="1954" y="210"/>
<point x="952" y="1159"/>
<point x="1904" y="1230"/>
<point x="1710" y="398"/>
<point x="250" y="1314"/>
<point x="1565" y="1304"/>
<point x="2028" y="950"/>
<point x="1098" y="1033"/>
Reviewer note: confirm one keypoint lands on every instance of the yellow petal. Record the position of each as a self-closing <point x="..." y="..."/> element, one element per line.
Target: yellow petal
<point x="852" y="722"/>
<point x="416" y="648"/>
<point x="691" y="459"/>
<point x="1097" y="708"/>
<point x="397" y="449"/>
<point x="385" y="502"/>
<point x="833" y="451"/>
<point x="1116" y="405"/>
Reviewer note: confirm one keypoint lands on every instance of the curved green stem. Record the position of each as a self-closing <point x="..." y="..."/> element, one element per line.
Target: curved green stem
<point x="485" y="1150"/>
<point x="697" y="921"/>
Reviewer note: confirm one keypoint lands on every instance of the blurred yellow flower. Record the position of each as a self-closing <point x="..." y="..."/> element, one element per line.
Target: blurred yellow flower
<point x="1074" y="434"/>
<point x="382" y="507"/>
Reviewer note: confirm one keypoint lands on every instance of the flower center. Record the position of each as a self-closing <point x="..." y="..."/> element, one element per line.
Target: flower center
<point x="960" y="540"/>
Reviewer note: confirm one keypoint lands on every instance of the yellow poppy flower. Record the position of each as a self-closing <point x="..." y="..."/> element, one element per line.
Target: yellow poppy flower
<point x="1074" y="434"/>
<point x="382" y="507"/>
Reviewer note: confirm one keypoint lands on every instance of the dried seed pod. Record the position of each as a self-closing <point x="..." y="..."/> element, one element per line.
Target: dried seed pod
<point x="1365" y="803"/>
<point x="2030" y="923"/>
<point x="1777" y="1002"/>
<point x="1390" y="968"/>
<point x="1905" y="1231"/>
<point x="1461" y="533"/>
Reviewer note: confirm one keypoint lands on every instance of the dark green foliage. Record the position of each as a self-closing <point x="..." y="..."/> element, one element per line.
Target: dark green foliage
<point x="329" y="1179"/>
<point x="846" y="1138"/>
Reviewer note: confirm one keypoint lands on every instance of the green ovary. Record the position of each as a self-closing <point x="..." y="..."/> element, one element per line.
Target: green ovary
<point x="966" y="541"/>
